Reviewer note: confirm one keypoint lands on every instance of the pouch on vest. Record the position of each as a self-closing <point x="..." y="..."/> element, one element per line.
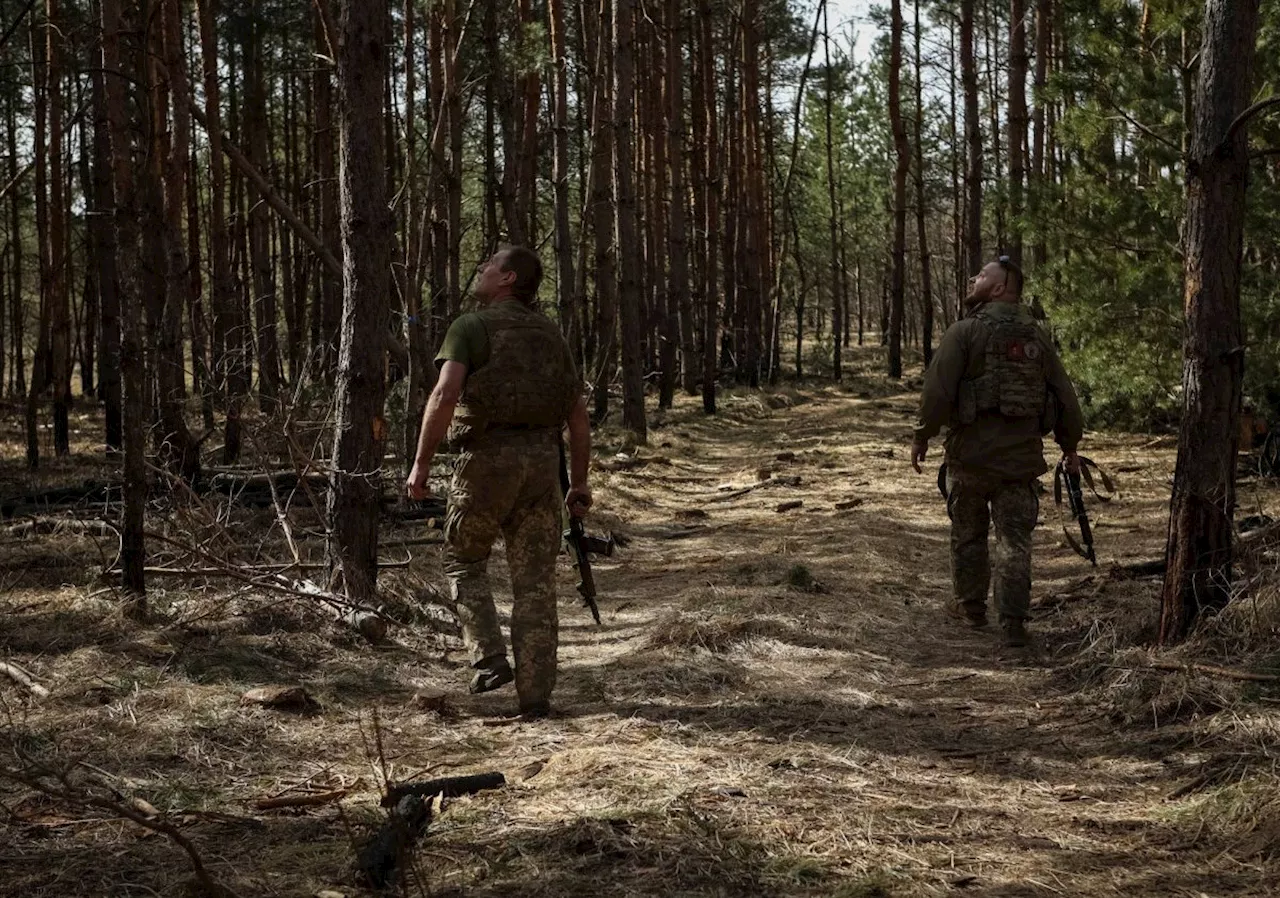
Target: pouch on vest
<point x="1014" y="381"/>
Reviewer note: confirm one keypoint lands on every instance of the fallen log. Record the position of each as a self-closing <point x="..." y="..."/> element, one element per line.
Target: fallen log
<point x="448" y="787"/>
<point x="22" y="678"/>
<point x="413" y="805"/>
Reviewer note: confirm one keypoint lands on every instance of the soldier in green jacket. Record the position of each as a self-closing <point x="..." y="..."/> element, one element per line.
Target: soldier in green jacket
<point x="996" y="383"/>
<point x="508" y="385"/>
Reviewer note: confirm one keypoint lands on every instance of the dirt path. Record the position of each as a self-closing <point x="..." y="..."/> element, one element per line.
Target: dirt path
<point x="774" y="704"/>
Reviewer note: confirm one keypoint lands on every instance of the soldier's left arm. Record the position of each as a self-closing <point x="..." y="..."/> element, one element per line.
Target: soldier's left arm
<point x="942" y="381"/>
<point x="1068" y="429"/>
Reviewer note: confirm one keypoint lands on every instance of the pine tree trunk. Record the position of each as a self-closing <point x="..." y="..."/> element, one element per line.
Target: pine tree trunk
<point x="17" y="332"/>
<point x="229" y="363"/>
<point x="922" y="237"/>
<point x="263" y="299"/>
<point x="58" y="289"/>
<point x="118" y="57"/>
<point x="897" y="285"/>
<point x="1039" y="173"/>
<point x="42" y="360"/>
<point x="601" y="204"/>
<point x="367" y="235"/>
<point x="330" y="310"/>
<point x="833" y="209"/>
<point x="1017" y="122"/>
<point x="178" y="450"/>
<point x="679" y="289"/>
<point x="629" y="286"/>
<point x="105" y="259"/>
<point x="973" y="139"/>
<point x="1198" y="575"/>
<point x="711" y="227"/>
<point x="567" y="299"/>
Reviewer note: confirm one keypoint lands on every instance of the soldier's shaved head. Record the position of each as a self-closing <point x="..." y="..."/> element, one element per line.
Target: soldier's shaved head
<point x="526" y="266"/>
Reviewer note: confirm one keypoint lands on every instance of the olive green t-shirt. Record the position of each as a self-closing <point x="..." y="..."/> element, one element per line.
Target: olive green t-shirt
<point x="466" y="341"/>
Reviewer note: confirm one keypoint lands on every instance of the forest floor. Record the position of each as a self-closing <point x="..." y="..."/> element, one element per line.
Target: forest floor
<point x="775" y="703"/>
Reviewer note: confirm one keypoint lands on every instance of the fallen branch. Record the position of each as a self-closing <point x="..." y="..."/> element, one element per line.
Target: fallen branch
<point x="36" y="776"/>
<point x="22" y="678"/>
<point x="1215" y="671"/>
<point x="312" y="800"/>
<point x="46" y="526"/>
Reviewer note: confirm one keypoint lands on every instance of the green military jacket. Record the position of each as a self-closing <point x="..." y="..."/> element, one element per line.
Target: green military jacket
<point x="982" y="440"/>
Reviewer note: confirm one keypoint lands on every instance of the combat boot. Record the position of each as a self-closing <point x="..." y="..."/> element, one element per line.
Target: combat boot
<point x="491" y="673"/>
<point x="1015" y="632"/>
<point x="970" y="617"/>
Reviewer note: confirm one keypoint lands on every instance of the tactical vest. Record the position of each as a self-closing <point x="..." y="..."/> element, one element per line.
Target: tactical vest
<point x="1014" y="380"/>
<point x="529" y="383"/>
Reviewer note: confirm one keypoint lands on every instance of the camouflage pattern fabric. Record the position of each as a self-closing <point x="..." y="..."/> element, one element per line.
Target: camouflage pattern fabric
<point x="508" y="487"/>
<point x="529" y="382"/>
<point x="975" y="504"/>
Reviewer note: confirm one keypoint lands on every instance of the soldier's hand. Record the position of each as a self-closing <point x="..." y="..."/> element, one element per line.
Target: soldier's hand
<point x="1071" y="462"/>
<point x="918" y="451"/>
<point x="416" y="485"/>
<point x="578" y="501"/>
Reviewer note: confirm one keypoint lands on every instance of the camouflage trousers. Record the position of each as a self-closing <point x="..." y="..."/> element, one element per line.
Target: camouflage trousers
<point x="974" y="504"/>
<point x="510" y="489"/>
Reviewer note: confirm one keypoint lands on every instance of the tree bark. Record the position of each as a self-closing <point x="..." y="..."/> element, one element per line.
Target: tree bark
<point x="922" y="235"/>
<point x="903" y="152"/>
<point x="229" y="363"/>
<point x="833" y="208"/>
<point x="1017" y="123"/>
<point x="973" y="139"/>
<point x="601" y="205"/>
<point x="263" y="283"/>
<point x="1199" y="550"/>
<point x="566" y="282"/>
<point x="711" y="227"/>
<point x="367" y="235"/>
<point x="178" y="450"/>
<point x="58" y="292"/>
<point x="120" y="63"/>
<point x="629" y="286"/>
<point x="105" y="259"/>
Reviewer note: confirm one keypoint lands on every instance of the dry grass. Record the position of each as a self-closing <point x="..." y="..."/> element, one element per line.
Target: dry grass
<point x="773" y="706"/>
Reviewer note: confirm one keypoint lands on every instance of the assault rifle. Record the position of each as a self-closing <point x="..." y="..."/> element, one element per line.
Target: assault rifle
<point x="1075" y="500"/>
<point x="583" y="546"/>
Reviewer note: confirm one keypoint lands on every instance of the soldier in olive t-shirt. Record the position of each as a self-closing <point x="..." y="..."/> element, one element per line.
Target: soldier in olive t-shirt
<point x="507" y="387"/>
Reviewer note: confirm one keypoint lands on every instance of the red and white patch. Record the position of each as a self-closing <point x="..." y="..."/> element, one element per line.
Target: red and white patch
<point x="1016" y="352"/>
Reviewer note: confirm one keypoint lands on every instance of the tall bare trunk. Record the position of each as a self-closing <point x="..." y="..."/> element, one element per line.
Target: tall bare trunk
<point x="973" y="139"/>
<point x="601" y="202"/>
<point x="629" y="287"/>
<point x="833" y="207"/>
<point x="903" y="152"/>
<point x="711" y="227"/>
<point x="922" y="236"/>
<point x="1017" y="122"/>
<point x="121" y="67"/>
<point x="229" y="364"/>
<point x="58" y="292"/>
<point x="262" y="284"/>
<point x="567" y="298"/>
<point x="367" y="235"/>
<point x="177" y="448"/>
<point x="1198" y="577"/>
